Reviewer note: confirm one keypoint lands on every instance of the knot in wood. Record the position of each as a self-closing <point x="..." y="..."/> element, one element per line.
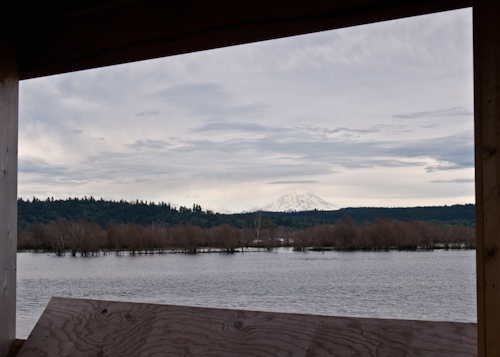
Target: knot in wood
<point x="238" y="325"/>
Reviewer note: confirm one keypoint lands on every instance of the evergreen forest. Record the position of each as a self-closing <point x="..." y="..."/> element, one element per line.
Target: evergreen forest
<point x="138" y="212"/>
<point x="88" y="227"/>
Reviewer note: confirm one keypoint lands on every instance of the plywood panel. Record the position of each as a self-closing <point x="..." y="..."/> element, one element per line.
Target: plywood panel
<point x="9" y="84"/>
<point x="78" y="327"/>
<point x="487" y="153"/>
<point x="388" y="337"/>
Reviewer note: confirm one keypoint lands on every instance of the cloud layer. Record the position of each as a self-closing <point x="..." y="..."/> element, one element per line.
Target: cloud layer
<point x="372" y="115"/>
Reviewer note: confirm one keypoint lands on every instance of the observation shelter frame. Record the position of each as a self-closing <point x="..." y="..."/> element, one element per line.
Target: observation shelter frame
<point x="40" y="38"/>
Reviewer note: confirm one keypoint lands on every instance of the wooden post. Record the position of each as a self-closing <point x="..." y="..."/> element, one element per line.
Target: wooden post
<point x="9" y="89"/>
<point x="487" y="151"/>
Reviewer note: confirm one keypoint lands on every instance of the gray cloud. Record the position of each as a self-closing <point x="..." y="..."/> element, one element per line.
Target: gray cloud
<point x="208" y="99"/>
<point x="450" y="152"/>
<point x="357" y="131"/>
<point x="147" y="113"/>
<point x="198" y="98"/>
<point x="281" y="161"/>
<point x="449" y="112"/>
<point x="291" y="182"/>
<point x="149" y="144"/>
<point x="338" y="130"/>
<point x="36" y="166"/>
<point x="454" y="181"/>
<point x="247" y="127"/>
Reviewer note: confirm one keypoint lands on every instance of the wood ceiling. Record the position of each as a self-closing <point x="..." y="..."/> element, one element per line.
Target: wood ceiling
<point x="52" y="37"/>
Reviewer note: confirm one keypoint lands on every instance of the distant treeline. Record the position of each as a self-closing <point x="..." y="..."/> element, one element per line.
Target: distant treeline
<point x="82" y="237"/>
<point x="143" y="213"/>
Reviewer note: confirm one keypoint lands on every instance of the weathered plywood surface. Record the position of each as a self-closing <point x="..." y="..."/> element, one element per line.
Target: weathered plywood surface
<point x="341" y="336"/>
<point x="487" y="153"/>
<point x="55" y="37"/>
<point x="78" y="327"/>
<point x="9" y="84"/>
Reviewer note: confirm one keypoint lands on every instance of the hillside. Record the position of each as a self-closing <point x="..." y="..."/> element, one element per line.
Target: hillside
<point x="139" y="212"/>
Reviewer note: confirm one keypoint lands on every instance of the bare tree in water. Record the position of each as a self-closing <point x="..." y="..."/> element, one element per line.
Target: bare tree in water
<point x="258" y="223"/>
<point x="271" y="240"/>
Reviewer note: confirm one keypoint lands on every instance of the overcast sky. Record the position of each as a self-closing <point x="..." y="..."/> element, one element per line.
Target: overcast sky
<point x="374" y="115"/>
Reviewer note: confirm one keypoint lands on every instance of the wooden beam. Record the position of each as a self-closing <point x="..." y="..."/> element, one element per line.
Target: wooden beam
<point x="81" y="327"/>
<point x="9" y="88"/>
<point x="487" y="152"/>
<point x="16" y="347"/>
<point x="53" y="39"/>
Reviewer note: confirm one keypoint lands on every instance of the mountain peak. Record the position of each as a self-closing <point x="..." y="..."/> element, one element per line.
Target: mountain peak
<point x="293" y="201"/>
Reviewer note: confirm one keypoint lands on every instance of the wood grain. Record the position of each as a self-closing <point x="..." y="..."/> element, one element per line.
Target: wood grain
<point x="9" y="87"/>
<point x="79" y="327"/>
<point x="487" y="155"/>
<point x="344" y="336"/>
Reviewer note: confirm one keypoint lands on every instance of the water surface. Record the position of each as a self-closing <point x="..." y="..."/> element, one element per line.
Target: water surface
<point x="438" y="285"/>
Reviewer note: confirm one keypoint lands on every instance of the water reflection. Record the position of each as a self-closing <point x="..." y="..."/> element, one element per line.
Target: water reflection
<point x="437" y="285"/>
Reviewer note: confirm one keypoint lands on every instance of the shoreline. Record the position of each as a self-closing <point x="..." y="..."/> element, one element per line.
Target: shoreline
<point x="215" y="250"/>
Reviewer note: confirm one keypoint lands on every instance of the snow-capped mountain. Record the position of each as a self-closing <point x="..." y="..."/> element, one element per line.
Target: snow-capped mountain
<point x="296" y="202"/>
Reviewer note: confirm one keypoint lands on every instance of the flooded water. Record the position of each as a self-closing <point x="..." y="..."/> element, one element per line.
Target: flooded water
<point x="438" y="285"/>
